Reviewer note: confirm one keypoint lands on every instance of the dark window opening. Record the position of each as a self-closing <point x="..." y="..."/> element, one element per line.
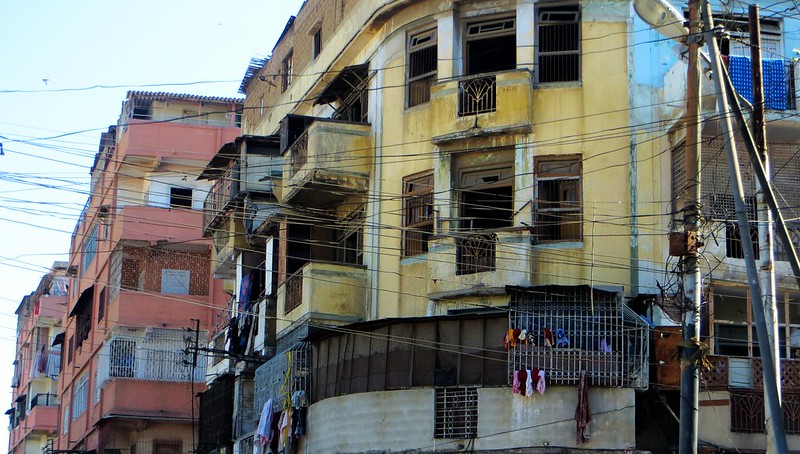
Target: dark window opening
<point x="101" y="305"/>
<point x="422" y="66"/>
<point x="287" y="66"/>
<point x="487" y="208"/>
<point x="180" y="197"/>
<point x="491" y="46"/>
<point x="142" y="109"/>
<point x="558" y="40"/>
<point x="317" y="43"/>
<point x="733" y="241"/>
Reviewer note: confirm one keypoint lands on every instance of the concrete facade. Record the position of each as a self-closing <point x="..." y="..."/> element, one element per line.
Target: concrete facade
<point x="140" y="273"/>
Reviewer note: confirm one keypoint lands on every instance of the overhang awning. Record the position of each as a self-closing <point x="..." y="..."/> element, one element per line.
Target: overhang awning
<point x="348" y="79"/>
<point x="59" y="339"/>
<point x="10" y="411"/>
<point x="219" y="163"/>
<point x="84" y="302"/>
<point x="20" y="398"/>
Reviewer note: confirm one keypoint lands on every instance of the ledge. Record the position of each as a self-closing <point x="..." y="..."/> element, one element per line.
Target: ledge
<point x="522" y="128"/>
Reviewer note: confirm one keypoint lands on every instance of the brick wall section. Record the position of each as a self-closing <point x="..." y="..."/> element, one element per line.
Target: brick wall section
<point x="298" y="40"/>
<point x="144" y="265"/>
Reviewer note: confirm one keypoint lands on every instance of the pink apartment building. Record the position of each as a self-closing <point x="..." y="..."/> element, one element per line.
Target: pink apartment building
<point x="142" y="293"/>
<point x="34" y="408"/>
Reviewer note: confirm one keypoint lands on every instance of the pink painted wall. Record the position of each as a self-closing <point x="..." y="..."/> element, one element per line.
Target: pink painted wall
<point x="173" y="140"/>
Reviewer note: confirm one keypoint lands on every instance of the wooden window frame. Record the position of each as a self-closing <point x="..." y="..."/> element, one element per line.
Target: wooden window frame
<point x="419" y="44"/>
<point x="418" y="212"/>
<point x="542" y="176"/>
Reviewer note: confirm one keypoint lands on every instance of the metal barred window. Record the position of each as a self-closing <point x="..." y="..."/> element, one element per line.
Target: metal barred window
<point x="80" y="396"/>
<point x="422" y="66"/>
<point x="559" y="38"/>
<point x="156" y="354"/>
<point x="456" y="413"/>
<point x="575" y="329"/>
<point x="284" y="374"/>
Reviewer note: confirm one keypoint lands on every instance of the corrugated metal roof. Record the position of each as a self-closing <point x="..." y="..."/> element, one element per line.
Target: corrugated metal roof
<point x="161" y="95"/>
<point x="256" y="65"/>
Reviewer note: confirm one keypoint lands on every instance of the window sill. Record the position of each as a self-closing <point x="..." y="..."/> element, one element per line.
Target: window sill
<point x="411" y="260"/>
<point x="559" y="245"/>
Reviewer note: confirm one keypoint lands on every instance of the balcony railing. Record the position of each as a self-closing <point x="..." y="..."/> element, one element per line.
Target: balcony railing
<point x="221" y="193"/>
<point x="298" y="154"/>
<point x="489" y="103"/>
<point x="477" y="95"/>
<point x="294" y="291"/>
<point x="476" y="253"/>
<point x="44" y="400"/>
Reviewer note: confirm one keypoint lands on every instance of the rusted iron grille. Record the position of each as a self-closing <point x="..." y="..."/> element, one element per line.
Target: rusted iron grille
<point x="456" y="413"/>
<point x="475" y="254"/>
<point x="747" y="412"/>
<point x="220" y="194"/>
<point x="298" y="154"/>
<point x="477" y="95"/>
<point x="790" y="374"/>
<point x="593" y="333"/>
<point x="294" y="291"/>
<point x="716" y="376"/>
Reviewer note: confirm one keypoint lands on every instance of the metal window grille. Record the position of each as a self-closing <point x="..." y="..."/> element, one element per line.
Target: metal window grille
<point x="456" y="413"/>
<point x="559" y="37"/>
<point x="747" y="412"/>
<point x="417" y="213"/>
<point x="298" y="154"/>
<point x="422" y="66"/>
<point x="282" y="375"/>
<point x="588" y="332"/>
<point x="294" y="291"/>
<point x="477" y="95"/>
<point x="65" y="420"/>
<point x="80" y="396"/>
<point x="89" y="248"/>
<point x="115" y="274"/>
<point x="246" y="445"/>
<point x="44" y="400"/>
<point x="287" y="66"/>
<point x="476" y="253"/>
<point x="155" y="355"/>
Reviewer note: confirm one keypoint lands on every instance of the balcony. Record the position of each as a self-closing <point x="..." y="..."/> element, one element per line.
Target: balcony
<point x="330" y="161"/>
<point x="174" y="224"/>
<point x="323" y="290"/>
<point x="482" y="104"/>
<point x="44" y="400"/>
<point x="144" y="144"/>
<point x="222" y="193"/>
<point x="141" y="398"/>
<point x="470" y="260"/>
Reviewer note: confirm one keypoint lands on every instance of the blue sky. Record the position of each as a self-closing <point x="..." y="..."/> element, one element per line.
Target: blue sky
<point x="50" y="48"/>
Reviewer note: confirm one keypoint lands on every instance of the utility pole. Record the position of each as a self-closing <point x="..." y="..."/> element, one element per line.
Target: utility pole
<point x="771" y="392"/>
<point x="692" y="280"/>
<point x="765" y="225"/>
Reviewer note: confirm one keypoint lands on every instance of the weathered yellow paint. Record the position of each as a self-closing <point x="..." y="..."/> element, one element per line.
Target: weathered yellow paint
<point x="328" y="288"/>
